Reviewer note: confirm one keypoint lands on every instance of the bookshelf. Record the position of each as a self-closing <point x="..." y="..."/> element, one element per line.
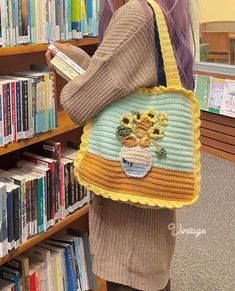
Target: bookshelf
<point x="17" y="59"/>
<point x="217" y="131"/>
<point x="39" y="238"/>
<point x="27" y="49"/>
<point x="64" y="124"/>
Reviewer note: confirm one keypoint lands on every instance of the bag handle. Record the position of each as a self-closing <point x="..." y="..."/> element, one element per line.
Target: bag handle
<point x="167" y="70"/>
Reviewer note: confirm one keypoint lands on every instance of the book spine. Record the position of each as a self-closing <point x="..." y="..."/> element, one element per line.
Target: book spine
<point x="45" y="21"/>
<point x="89" y="10"/>
<point x="9" y="113"/>
<point x="40" y="205"/>
<point x="69" y="19"/>
<point x="46" y="87"/>
<point x="3" y="23"/>
<point x="10" y="19"/>
<point x="49" y="20"/>
<point x="76" y="19"/>
<point x="34" y="206"/>
<point x="3" y="222"/>
<point x="5" y="119"/>
<point x="66" y="28"/>
<point x="57" y="18"/>
<point x="25" y="109"/>
<point x="33" y="21"/>
<point x="18" y="102"/>
<point x="16" y="213"/>
<point x="29" y="208"/>
<point x="72" y="189"/>
<point x="53" y="101"/>
<point x="71" y="278"/>
<point x="66" y="185"/>
<point x="1" y="118"/>
<point x="16" y="20"/>
<point x="24" y="212"/>
<point x="34" y="96"/>
<point x="30" y="109"/>
<point x="29" y="20"/>
<point x="32" y="281"/>
<point x="53" y="20"/>
<point x="10" y="221"/>
<point x="84" y="25"/>
<point x="62" y="18"/>
<point x="44" y="202"/>
<point x="49" y="189"/>
<point x="13" y="110"/>
<point x="20" y="24"/>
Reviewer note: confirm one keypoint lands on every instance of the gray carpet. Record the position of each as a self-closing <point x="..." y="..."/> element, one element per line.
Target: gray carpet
<point x="207" y="262"/>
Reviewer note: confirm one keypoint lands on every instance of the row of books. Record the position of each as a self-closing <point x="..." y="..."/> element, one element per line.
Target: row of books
<point x="216" y="95"/>
<point x="36" y="194"/>
<point x="42" y="21"/>
<point x="27" y="105"/>
<point x="61" y="263"/>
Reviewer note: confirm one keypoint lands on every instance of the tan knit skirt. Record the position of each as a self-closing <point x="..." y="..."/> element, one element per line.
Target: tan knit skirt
<point x="131" y="245"/>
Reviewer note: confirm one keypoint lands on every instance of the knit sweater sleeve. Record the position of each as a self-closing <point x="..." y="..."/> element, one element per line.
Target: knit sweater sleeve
<point x="123" y="62"/>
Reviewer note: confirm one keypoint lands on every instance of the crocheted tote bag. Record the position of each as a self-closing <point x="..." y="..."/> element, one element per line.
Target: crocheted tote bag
<point x="144" y="147"/>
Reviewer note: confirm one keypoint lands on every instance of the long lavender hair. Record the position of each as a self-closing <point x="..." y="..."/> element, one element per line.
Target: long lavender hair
<point x="178" y="18"/>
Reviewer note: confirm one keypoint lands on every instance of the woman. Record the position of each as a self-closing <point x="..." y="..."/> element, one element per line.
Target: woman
<point x="132" y="246"/>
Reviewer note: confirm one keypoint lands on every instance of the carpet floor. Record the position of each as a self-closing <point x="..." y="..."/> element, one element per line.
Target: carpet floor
<point x="204" y="259"/>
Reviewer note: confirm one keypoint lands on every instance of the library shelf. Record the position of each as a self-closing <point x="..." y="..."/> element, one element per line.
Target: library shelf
<point x="40" y="237"/>
<point x="65" y="124"/>
<point x="34" y="48"/>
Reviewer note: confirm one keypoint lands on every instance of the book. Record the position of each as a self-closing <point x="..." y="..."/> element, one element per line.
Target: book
<point x="76" y="19"/>
<point x="21" y="264"/>
<point x="70" y="268"/>
<point x="50" y="163"/>
<point x="88" y="257"/>
<point x="73" y="241"/>
<point x="3" y="221"/>
<point x="45" y="199"/>
<point x="228" y="100"/>
<point x="202" y="91"/>
<point x="57" y="257"/>
<point x="11" y="276"/>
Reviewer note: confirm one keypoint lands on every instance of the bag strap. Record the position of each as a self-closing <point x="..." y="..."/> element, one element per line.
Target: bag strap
<point x="167" y="70"/>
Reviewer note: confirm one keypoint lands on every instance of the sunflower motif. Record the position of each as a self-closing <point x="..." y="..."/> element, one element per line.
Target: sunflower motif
<point x="152" y="115"/>
<point x="156" y="132"/>
<point x="144" y="141"/>
<point x="163" y="118"/>
<point x="145" y="121"/>
<point x="137" y="117"/>
<point x="126" y="121"/>
<point x="130" y="141"/>
<point x="140" y="131"/>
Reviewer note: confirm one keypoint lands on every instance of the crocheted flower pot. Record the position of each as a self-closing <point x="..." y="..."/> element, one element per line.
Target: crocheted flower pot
<point x="136" y="161"/>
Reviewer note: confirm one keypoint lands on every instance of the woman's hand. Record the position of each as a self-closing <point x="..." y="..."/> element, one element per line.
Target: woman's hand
<point x="63" y="47"/>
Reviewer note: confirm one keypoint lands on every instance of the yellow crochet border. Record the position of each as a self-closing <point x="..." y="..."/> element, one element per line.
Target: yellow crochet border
<point x="144" y="200"/>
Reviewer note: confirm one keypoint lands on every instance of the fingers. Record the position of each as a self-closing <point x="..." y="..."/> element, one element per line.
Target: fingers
<point x="48" y="60"/>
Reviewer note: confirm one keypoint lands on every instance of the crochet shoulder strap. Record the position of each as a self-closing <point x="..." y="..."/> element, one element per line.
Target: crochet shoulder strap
<point x="167" y="71"/>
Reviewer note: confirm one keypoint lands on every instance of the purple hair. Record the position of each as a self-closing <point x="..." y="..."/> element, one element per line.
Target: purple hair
<point x="178" y="19"/>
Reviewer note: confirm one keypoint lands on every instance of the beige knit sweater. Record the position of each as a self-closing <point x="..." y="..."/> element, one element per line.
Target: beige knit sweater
<point x="130" y="245"/>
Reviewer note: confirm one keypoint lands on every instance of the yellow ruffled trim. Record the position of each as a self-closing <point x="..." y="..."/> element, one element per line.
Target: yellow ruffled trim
<point x="144" y="200"/>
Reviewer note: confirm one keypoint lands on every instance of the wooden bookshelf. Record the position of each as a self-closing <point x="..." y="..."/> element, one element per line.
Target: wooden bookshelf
<point x="27" y="49"/>
<point x="65" y="124"/>
<point x="40" y="237"/>
<point x="217" y="131"/>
